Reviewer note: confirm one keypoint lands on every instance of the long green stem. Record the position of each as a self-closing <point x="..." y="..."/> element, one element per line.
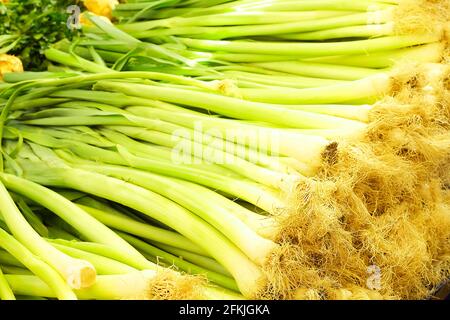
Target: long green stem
<point x="368" y="31"/>
<point x="91" y="228"/>
<point x="102" y="250"/>
<point x="306" y="49"/>
<point x="378" y="86"/>
<point x="241" y="166"/>
<point x="283" y="5"/>
<point x="78" y="273"/>
<point x="318" y="70"/>
<point x="103" y="265"/>
<point x="264" y="198"/>
<point x="431" y="52"/>
<point x="8" y="259"/>
<point x="255" y="155"/>
<point x="234" y="18"/>
<point x="246" y="273"/>
<point x="5" y="290"/>
<point x="240" y="109"/>
<point x="59" y="287"/>
<point x="72" y="61"/>
<point x="169" y="259"/>
<point x="135" y="286"/>
<point x="196" y="259"/>
<point x="223" y="32"/>
<point x="143" y="230"/>
<point x="307" y="149"/>
<point x="200" y="201"/>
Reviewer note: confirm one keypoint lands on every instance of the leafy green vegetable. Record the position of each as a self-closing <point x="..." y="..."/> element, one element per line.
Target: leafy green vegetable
<point x="37" y="24"/>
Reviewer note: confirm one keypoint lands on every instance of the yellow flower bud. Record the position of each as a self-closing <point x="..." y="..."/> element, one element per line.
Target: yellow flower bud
<point x="86" y="22"/>
<point x="101" y="7"/>
<point x="9" y="63"/>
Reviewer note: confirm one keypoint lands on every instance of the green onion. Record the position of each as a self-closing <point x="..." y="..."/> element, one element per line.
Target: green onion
<point x="78" y="273"/>
<point x="57" y="286"/>
<point x="5" y="290"/>
<point x="246" y="273"/>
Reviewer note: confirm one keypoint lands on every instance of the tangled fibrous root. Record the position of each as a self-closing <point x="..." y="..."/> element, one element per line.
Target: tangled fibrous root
<point x="354" y="293"/>
<point x="421" y="16"/>
<point x="406" y="239"/>
<point x="170" y="285"/>
<point x="414" y="122"/>
<point x="324" y="248"/>
<point x="379" y="200"/>
<point x="288" y="267"/>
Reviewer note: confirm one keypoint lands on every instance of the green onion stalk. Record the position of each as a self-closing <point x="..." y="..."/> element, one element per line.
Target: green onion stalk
<point x="72" y="214"/>
<point x="138" y="285"/>
<point x="211" y="175"/>
<point x="372" y="31"/>
<point x="251" y="249"/>
<point x="162" y="258"/>
<point x="168" y="259"/>
<point x="78" y="273"/>
<point x="208" y="8"/>
<point x="56" y="283"/>
<point x="109" y="264"/>
<point x="320" y="20"/>
<point x="143" y="230"/>
<point x="5" y="290"/>
<point x="286" y="116"/>
<point x="247" y="274"/>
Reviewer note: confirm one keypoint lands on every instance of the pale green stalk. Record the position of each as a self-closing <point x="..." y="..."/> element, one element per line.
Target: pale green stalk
<point x="168" y="259"/>
<point x="102" y="250"/>
<point x="200" y="201"/>
<point x="77" y="273"/>
<point x="71" y="213"/>
<point x="318" y="70"/>
<point x="246" y="273"/>
<point x="367" y="31"/>
<point x="196" y="259"/>
<point x="102" y="264"/>
<point x="5" y="290"/>
<point x="143" y="230"/>
<point x="108" y="287"/>
<point x="56" y="283"/>
<point x="248" y="110"/>
<point x="309" y="49"/>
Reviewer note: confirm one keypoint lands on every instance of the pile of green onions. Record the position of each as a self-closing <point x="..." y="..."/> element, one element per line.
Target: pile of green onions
<point x="197" y="149"/>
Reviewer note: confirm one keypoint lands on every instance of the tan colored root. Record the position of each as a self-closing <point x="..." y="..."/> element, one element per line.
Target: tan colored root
<point x="306" y="294"/>
<point x="354" y="293"/>
<point x="379" y="201"/>
<point x="446" y="41"/>
<point x="285" y="270"/>
<point x="414" y="123"/>
<point x="170" y="285"/>
<point x="404" y="241"/>
<point x="421" y="16"/>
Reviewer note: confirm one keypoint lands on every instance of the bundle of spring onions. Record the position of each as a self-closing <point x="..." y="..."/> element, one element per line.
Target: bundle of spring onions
<point x="232" y="149"/>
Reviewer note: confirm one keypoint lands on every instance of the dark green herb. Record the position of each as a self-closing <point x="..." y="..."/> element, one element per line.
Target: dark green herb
<point x="38" y="23"/>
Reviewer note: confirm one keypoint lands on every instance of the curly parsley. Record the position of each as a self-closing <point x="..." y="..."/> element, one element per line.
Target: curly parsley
<point x="38" y="23"/>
